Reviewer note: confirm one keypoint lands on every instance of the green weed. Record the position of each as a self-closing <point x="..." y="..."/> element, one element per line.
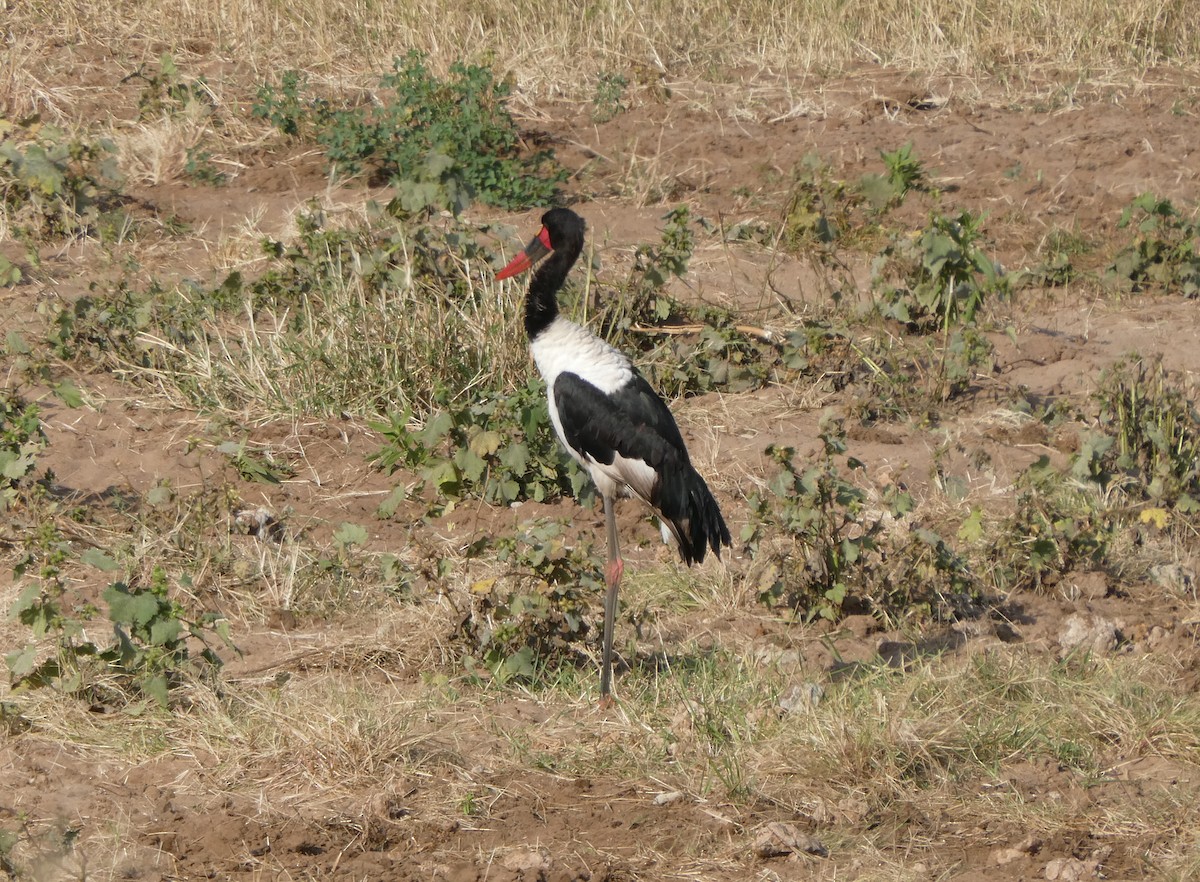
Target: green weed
<point x="607" y="98"/>
<point x="461" y="119"/>
<point x="21" y="441"/>
<point x="501" y="449"/>
<point x="150" y="654"/>
<point x="54" y="184"/>
<point x="939" y="279"/>
<point x="1057" y="526"/>
<point x="167" y="91"/>
<point x="1148" y="433"/>
<point x="904" y="172"/>
<point x="831" y="552"/>
<point x="1163" y="253"/>
<point x="533" y="617"/>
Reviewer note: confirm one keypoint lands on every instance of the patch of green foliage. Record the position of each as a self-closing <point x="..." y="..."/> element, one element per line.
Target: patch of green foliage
<point x="607" y="99"/>
<point x="461" y="119"/>
<point x="711" y="355"/>
<point x="904" y="172"/>
<point x="501" y="449"/>
<point x="167" y="91"/>
<point x="936" y="282"/>
<point x="1057" y="525"/>
<point x="1163" y="254"/>
<point x="21" y="440"/>
<point x="534" y="617"/>
<point x="825" y="548"/>
<point x="643" y="300"/>
<point x="1147" y="434"/>
<point x="939" y="279"/>
<point x="1057" y="250"/>
<point x="199" y="167"/>
<point x="150" y="654"/>
<point x="54" y="184"/>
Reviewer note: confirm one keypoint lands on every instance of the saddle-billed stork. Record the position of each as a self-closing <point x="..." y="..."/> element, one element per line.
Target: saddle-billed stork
<point x="610" y="419"/>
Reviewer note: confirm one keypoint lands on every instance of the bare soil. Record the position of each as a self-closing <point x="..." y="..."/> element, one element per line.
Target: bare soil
<point x="1072" y="159"/>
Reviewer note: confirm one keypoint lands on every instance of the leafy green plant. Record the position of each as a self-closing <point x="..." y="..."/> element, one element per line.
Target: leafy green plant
<point x="939" y="279"/>
<point x="167" y="91"/>
<point x="1058" y="250"/>
<point x="830" y="535"/>
<point x="1057" y="526"/>
<point x="1163" y="253"/>
<point x="152" y="631"/>
<point x="501" y="449"/>
<point x="10" y="273"/>
<point x="286" y="109"/>
<point x="1148" y="432"/>
<point x="819" y="210"/>
<point x="607" y="98"/>
<point x="150" y="654"/>
<point x="255" y="465"/>
<point x="643" y="299"/>
<point x="461" y="119"/>
<point x="21" y="440"/>
<point x="904" y="172"/>
<point x="200" y="168"/>
<point x="53" y="184"/>
<point x="535" y="615"/>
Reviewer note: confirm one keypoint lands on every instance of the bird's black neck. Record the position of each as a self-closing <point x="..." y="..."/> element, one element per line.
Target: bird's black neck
<point x="541" y="304"/>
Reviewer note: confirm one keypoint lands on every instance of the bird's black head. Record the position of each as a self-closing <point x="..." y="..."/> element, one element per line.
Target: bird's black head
<point x="566" y="229"/>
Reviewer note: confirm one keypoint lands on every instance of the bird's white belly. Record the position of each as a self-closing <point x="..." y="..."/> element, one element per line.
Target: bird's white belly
<point x="565" y="347"/>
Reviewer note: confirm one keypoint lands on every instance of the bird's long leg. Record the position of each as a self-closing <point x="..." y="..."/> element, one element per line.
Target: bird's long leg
<point x="612" y="578"/>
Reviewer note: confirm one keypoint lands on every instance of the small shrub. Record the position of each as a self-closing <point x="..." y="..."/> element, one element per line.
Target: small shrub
<point x="939" y="279"/>
<point x="150" y="655"/>
<point x="1057" y="526"/>
<point x="1148" y="432"/>
<point x="904" y="172"/>
<point x="830" y="554"/>
<point x="501" y="449"/>
<point x="21" y="440"/>
<point x="167" y="91"/>
<point x="607" y="99"/>
<point x="461" y="119"/>
<point x="1163" y="253"/>
<point x="534" y="616"/>
<point x="53" y="184"/>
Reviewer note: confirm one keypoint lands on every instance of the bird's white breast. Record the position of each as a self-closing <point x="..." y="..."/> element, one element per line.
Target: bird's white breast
<point x="566" y="347"/>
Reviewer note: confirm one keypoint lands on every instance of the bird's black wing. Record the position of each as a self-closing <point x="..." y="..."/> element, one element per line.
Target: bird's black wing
<point x="632" y="422"/>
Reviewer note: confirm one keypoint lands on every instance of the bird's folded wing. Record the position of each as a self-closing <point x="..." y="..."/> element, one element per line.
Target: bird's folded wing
<point x="629" y="433"/>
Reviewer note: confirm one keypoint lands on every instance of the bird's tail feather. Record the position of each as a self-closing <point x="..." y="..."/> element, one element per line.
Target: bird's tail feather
<point x="693" y="516"/>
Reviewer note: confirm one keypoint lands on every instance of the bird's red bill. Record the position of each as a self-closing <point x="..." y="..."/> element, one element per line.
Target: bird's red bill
<point x="534" y="251"/>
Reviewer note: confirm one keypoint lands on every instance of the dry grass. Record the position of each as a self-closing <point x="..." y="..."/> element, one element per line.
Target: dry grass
<point x="552" y="48"/>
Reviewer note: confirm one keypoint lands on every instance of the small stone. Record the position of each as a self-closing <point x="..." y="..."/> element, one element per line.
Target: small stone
<point x="668" y="797"/>
<point x="805" y="696"/>
<point x="777" y="839"/>
<point x="529" y="861"/>
<point x="1089" y="633"/>
<point x="1027" y="846"/>
<point x="1070" y="870"/>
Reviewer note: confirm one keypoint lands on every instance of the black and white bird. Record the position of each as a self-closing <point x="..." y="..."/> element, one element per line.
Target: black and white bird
<point x="610" y="419"/>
